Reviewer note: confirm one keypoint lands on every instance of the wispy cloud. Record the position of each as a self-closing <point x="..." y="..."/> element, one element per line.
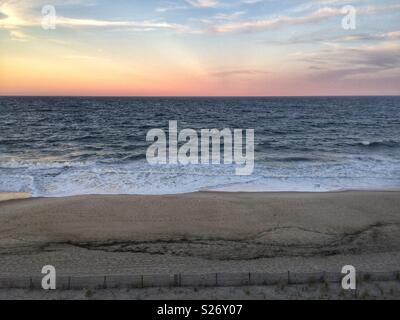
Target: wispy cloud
<point x="315" y="4"/>
<point x="229" y="16"/>
<point x="13" y="18"/>
<point x="239" y="72"/>
<point x="314" y="17"/>
<point x="73" y="22"/>
<point x="171" y="7"/>
<point x="19" y="35"/>
<point x="203" y="3"/>
<point x="352" y="61"/>
<point x="251" y="1"/>
<point x="268" y="23"/>
<point x="392" y="35"/>
<point x="334" y="40"/>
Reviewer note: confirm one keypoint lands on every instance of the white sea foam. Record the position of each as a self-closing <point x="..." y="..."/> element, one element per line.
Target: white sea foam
<point x="138" y="177"/>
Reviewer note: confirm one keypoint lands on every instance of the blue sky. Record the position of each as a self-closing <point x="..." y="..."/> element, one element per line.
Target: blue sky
<point x="200" y="47"/>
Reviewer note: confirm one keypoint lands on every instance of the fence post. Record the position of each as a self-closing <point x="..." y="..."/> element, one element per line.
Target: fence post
<point x="249" y="278"/>
<point x="216" y="279"/>
<point x="142" y="281"/>
<point x="105" y="282"/>
<point x="180" y="279"/>
<point x="69" y="283"/>
<point x="288" y="277"/>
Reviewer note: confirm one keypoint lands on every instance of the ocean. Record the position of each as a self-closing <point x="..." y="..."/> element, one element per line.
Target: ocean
<point x="60" y="146"/>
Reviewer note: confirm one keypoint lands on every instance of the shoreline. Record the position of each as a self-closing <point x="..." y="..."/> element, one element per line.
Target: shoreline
<point x="19" y="195"/>
<point x="6" y="196"/>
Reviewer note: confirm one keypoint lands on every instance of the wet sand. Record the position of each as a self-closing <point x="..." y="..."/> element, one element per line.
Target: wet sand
<point x="201" y="233"/>
<point x="5" y="196"/>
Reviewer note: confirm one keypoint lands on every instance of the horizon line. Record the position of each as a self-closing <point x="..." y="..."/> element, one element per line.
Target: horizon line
<point x="200" y="96"/>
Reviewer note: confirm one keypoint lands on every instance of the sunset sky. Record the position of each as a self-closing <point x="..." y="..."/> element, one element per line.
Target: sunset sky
<point x="200" y="47"/>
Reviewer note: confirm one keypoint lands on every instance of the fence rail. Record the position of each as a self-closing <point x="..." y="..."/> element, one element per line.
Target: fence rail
<point x="190" y="280"/>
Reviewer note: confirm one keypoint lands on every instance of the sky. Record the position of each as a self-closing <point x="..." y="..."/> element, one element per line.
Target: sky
<point x="200" y="47"/>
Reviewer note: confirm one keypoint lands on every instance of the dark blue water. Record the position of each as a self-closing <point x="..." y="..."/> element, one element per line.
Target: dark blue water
<point x="56" y="146"/>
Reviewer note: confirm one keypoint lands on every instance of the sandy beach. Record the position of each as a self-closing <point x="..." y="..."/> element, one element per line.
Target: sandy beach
<point x="4" y="196"/>
<point x="201" y="233"/>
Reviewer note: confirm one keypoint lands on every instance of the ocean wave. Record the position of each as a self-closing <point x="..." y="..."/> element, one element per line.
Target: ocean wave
<point x="138" y="177"/>
<point x="293" y="159"/>
<point x="37" y="165"/>
<point x="380" y="143"/>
